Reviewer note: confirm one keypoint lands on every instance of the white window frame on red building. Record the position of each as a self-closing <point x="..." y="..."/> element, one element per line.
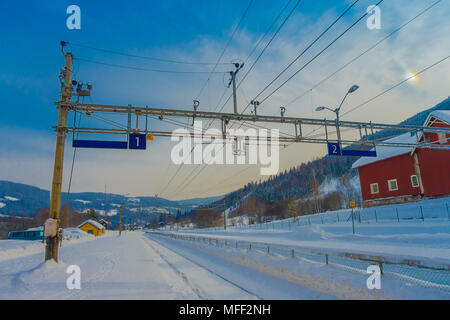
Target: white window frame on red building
<point x="371" y="188"/>
<point x="389" y="185"/>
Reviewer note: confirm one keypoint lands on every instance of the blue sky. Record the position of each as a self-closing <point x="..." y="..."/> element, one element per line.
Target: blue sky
<point x="198" y="30"/>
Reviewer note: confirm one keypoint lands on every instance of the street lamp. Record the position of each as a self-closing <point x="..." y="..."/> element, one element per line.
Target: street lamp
<point x="336" y="111"/>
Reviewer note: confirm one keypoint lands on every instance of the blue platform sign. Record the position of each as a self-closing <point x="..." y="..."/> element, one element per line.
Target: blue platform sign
<point x="359" y="153"/>
<point x="100" y="144"/>
<point x="137" y="141"/>
<point x="334" y="149"/>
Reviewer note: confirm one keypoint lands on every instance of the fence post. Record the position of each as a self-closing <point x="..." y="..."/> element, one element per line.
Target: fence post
<point x="309" y="220"/>
<point x="421" y="212"/>
<point x="326" y="258"/>
<point x="381" y="267"/>
<point x="337" y="214"/>
<point x="376" y="218"/>
<point x="353" y="222"/>
<point x="293" y="254"/>
<point x="398" y="219"/>
<point x="268" y="249"/>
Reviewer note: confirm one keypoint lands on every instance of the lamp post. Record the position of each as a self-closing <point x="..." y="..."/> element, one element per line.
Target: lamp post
<point x="338" y="109"/>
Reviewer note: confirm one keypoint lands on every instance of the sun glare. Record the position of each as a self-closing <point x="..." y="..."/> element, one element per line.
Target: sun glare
<point x="412" y="76"/>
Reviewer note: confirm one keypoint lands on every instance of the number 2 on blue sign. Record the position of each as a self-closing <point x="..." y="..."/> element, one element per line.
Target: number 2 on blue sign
<point x="334" y="149"/>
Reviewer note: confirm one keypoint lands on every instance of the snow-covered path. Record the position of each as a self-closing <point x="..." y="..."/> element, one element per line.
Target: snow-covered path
<point x="127" y="267"/>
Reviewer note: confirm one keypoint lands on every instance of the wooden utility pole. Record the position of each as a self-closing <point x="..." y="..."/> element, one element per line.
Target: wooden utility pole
<point x="224" y="215"/>
<point x="120" y="220"/>
<point x="51" y="248"/>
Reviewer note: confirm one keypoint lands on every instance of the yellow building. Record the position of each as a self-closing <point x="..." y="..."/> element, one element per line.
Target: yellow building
<point x="92" y="227"/>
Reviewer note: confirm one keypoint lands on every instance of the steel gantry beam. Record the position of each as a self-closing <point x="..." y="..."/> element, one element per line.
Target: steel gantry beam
<point x="162" y="112"/>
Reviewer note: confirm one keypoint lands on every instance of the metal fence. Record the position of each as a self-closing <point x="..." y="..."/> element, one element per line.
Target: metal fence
<point x="393" y="213"/>
<point x="412" y="272"/>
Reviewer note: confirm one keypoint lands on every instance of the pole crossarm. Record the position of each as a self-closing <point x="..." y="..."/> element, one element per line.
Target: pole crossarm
<point x="162" y="112"/>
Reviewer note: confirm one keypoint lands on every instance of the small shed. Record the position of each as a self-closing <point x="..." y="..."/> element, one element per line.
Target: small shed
<point x="92" y="227"/>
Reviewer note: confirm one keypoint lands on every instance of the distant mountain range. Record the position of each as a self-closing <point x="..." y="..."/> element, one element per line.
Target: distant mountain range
<point x="24" y="200"/>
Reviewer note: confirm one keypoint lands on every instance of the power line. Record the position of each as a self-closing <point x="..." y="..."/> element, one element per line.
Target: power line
<point x="226" y="47"/>
<point x="146" y="69"/>
<point x="267" y="44"/>
<point x="305" y="50"/>
<point x="209" y="77"/>
<point x="254" y="63"/>
<point x="143" y="57"/>
<point x="270" y="41"/>
<point x="396" y="85"/>
<point x="364" y="52"/>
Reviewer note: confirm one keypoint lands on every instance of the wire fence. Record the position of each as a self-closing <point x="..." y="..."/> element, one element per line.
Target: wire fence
<point x="409" y="271"/>
<point x="384" y="214"/>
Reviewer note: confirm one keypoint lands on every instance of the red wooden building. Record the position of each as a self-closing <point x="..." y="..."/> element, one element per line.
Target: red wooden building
<point x="400" y="174"/>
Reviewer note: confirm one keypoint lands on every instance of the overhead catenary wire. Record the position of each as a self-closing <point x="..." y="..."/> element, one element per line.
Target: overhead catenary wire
<point x="254" y="63"/>
<point x="364" y="52"/>
<point x="267" y="44"/>
<point x="317" y="55"/>
<point x="304" y="51"/>
<point x="209" y="77"/>
<point x="308" y="47"/>
<point x="120" y="66"/>
<point x="396" y="85"/>
<point x="226" y="47"/>
<point x="146" y="57"/>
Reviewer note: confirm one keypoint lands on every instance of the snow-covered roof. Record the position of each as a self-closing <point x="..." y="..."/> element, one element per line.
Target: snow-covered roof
<point x="443" y="115"/>
<point x="388" y="152"/>
<point x="92" y="222"/>
<point x="41" y="228"/>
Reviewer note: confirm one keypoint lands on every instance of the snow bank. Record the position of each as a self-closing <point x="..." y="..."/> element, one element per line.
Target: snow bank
<point x="11" y="198"/>
<point x="83" y="201"/>
<point x="11" y="249"/>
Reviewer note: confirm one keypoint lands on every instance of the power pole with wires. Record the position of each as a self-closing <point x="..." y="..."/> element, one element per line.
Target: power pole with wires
<point x="51" y="248"/>
<point x="233" y="81"/>
<point x="120" y="220"/>
<point x="224" y="215"/>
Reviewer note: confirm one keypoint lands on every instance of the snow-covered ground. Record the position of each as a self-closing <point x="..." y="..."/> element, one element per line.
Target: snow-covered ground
<point x="128" y="267"/>
<point x="335" y="279"/>
<point x="427" y="242"/>
<point x="145" y="265"/>
<point x="11" y="249"/>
